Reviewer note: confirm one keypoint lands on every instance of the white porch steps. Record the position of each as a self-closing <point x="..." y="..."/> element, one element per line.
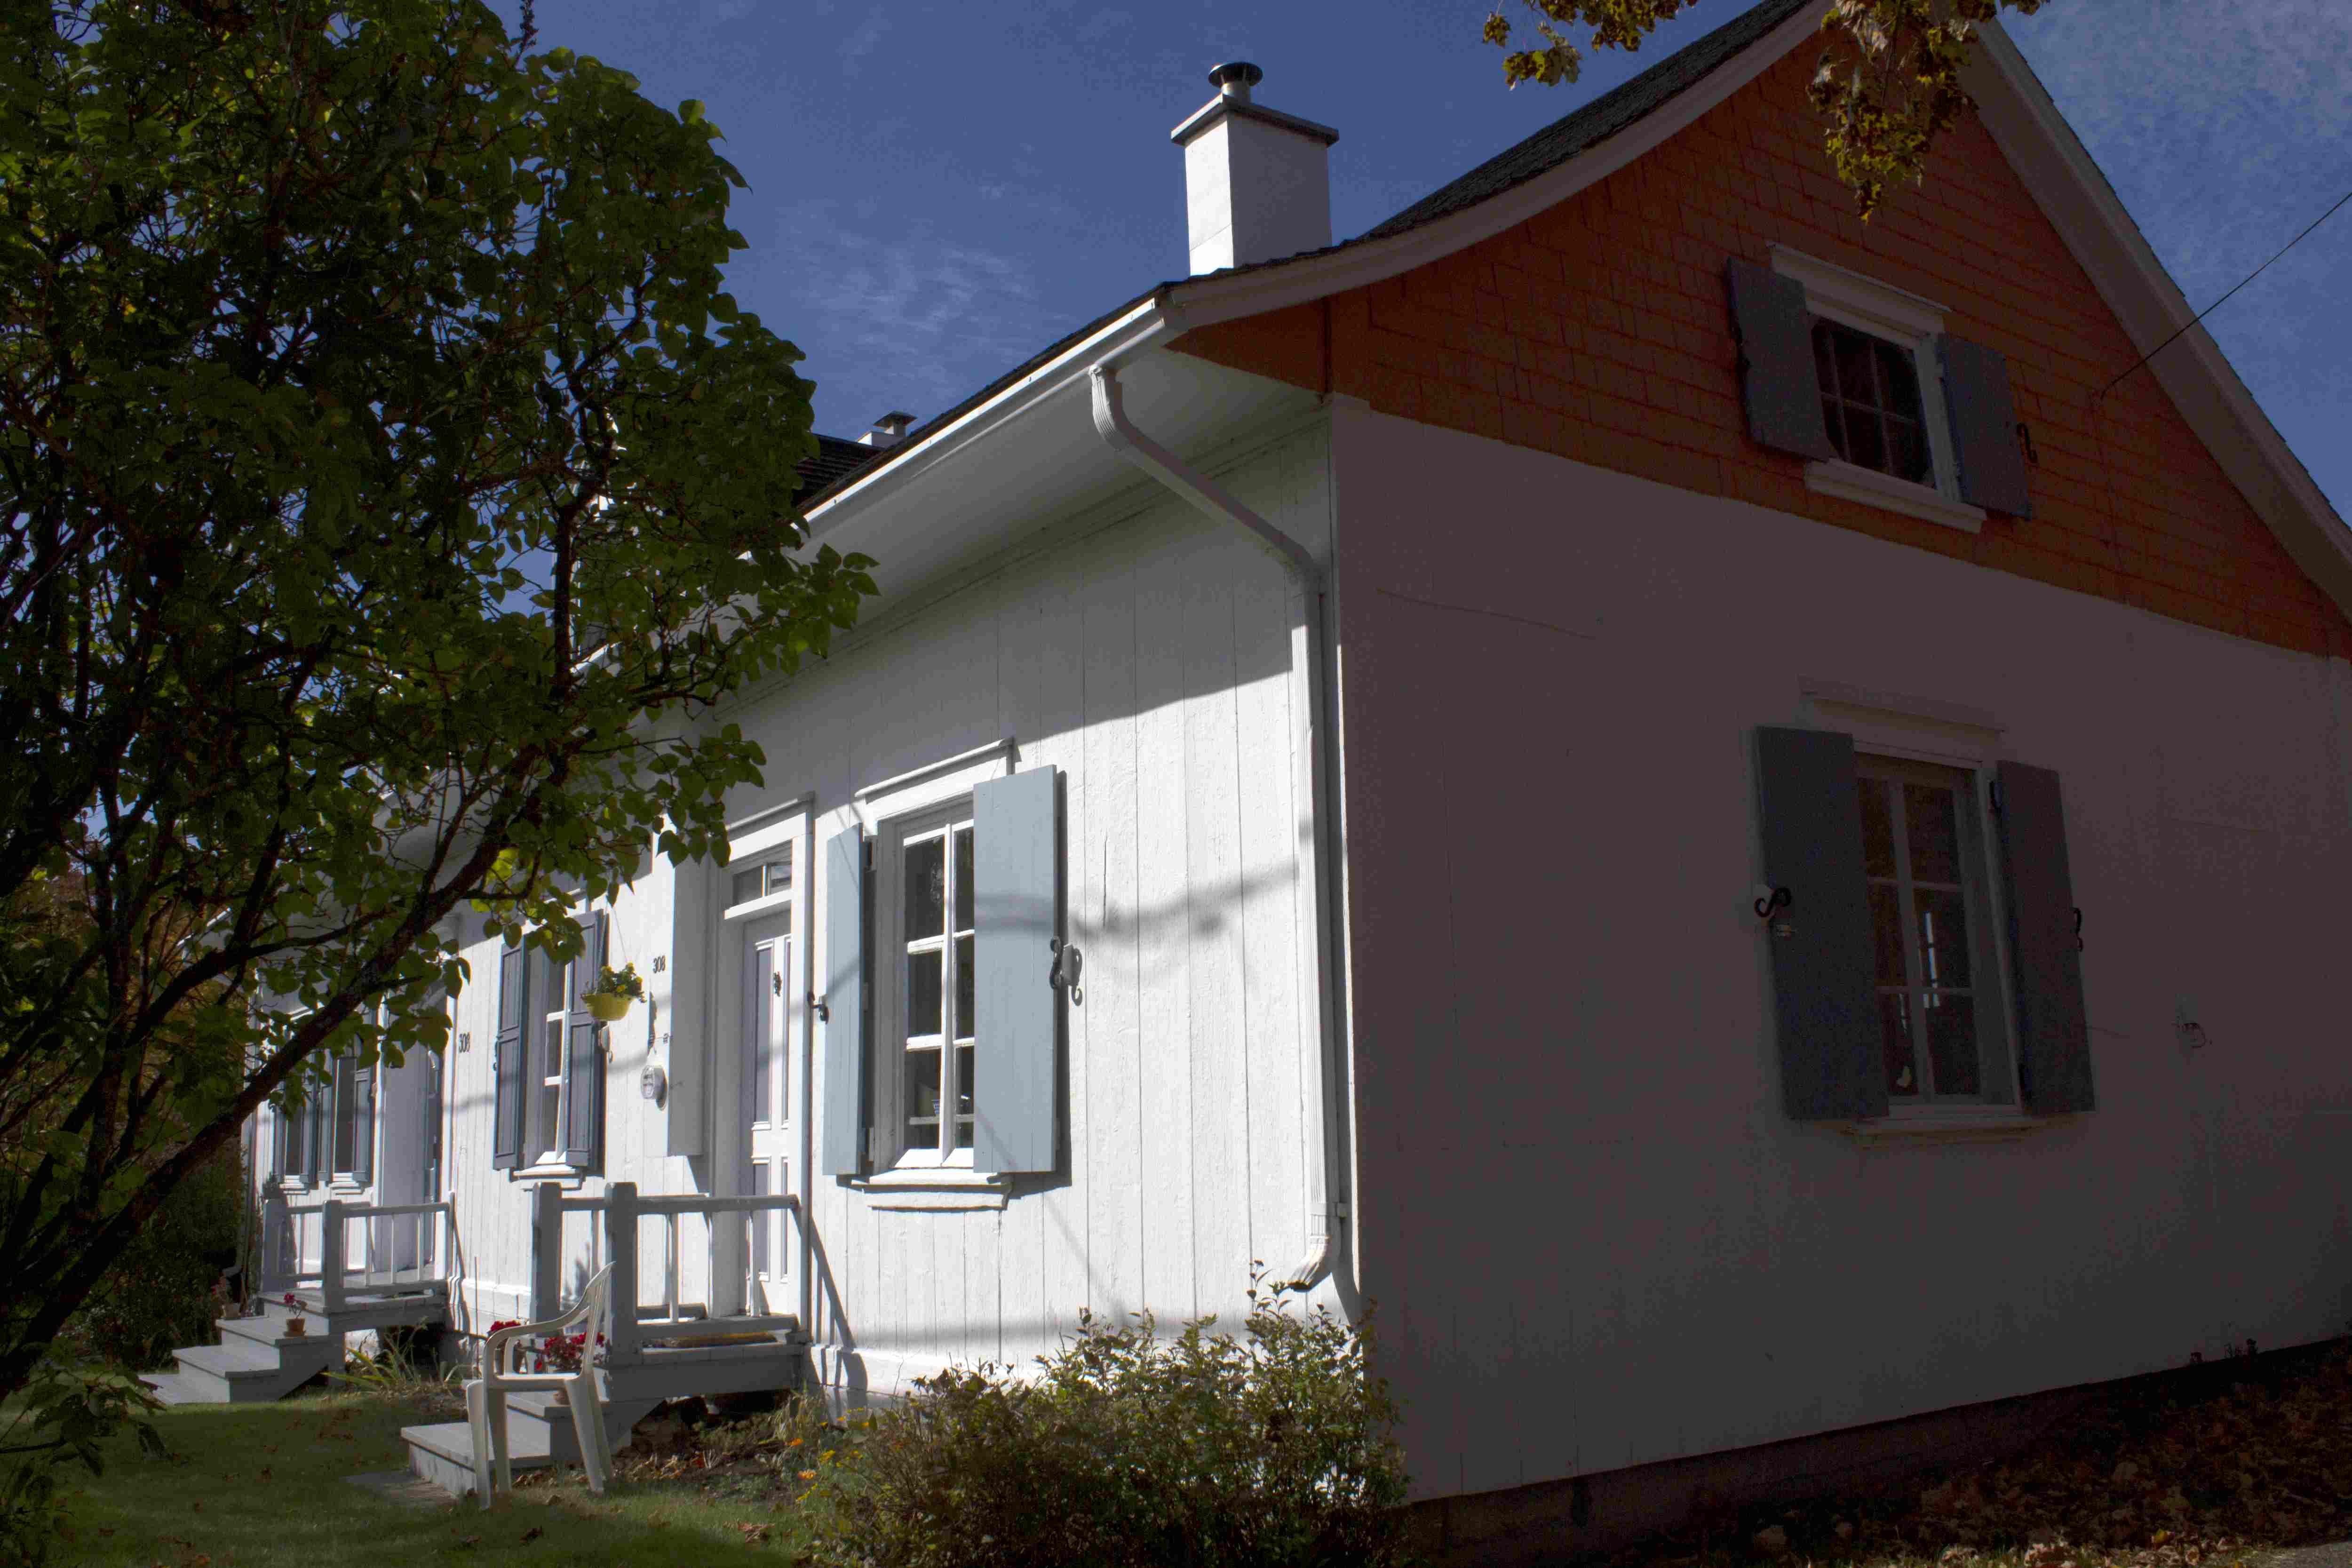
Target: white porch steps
<point x="540" y="1432"/>
<point x="257" y="1360"/>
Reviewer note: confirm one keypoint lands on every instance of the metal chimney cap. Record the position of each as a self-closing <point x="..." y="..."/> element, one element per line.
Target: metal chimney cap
<point x="1235" y="78"/>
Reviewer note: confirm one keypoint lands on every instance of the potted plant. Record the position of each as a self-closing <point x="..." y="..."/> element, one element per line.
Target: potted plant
<point x="297" y="1325"/>
<point x="608" y="1000"/>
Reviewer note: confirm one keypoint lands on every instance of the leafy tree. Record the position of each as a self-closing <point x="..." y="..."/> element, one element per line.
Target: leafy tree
<point x="387" y="493"/>
<point x="1889" y="83"/>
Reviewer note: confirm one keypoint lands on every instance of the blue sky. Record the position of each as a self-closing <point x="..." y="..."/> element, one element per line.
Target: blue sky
<point x="937" y="191"/>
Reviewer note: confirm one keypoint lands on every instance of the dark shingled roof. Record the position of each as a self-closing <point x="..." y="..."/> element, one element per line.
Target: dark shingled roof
<point x="835" y="459"/>
<point x="1546" y="150"/>
<point x="1597" y="121"/>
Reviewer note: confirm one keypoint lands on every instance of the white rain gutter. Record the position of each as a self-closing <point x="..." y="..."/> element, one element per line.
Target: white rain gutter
<point x="1327" y="1166"/>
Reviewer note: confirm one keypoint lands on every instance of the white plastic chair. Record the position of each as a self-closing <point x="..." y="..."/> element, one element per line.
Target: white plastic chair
<point x="486" y="1396"/>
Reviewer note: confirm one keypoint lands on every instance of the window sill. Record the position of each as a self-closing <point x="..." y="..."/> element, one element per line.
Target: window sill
<point x="1850" y="481"/>
<point x="344" y="1187"/>
<point x="1957" y="1124"/>
<point x="933" y="1187"/>
<point x="567" y="1175"/>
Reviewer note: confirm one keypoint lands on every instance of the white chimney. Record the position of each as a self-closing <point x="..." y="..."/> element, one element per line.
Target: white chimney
<point x="1258" y="183"/>
<point x="889" y="430"/>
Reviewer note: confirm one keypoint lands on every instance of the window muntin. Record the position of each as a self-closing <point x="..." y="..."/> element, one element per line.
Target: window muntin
<point x="934" y="983"/>
<point x="1870" y="402"/>
<point x="1939" y="1011"/>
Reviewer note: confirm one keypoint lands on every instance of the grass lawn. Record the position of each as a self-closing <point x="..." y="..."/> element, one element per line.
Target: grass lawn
<point x="257" y="1486"/>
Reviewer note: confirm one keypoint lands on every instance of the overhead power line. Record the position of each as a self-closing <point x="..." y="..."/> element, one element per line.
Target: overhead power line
<point x="2225" y="299"/>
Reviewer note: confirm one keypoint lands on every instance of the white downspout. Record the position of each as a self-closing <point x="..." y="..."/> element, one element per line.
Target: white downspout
<point x="1327" y="1166"/>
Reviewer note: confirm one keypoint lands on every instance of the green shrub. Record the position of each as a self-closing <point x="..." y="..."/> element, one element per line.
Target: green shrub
<point x="1127" y="1448"/>
<point x="159" y="1294"/>
<point x="67" y="1412"/>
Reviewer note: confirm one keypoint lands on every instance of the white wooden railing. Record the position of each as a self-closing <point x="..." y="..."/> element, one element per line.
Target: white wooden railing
<point x="306" y="1248"/>
<point x="729" y="1254"/>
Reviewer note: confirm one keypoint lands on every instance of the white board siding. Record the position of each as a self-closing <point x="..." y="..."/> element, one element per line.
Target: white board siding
<point x="1656" y="1255"/>
<point x="1146" y="655"/>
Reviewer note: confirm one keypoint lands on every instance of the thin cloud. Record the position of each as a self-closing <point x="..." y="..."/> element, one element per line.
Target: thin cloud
<point x="913" y="322"/>
<point x="862" y="42"/>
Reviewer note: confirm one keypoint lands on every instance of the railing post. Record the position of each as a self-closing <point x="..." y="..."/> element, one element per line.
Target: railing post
<point x="621" y="1247"/>
<point x="331" y="1258"/>
<point x="546" y="1251"/>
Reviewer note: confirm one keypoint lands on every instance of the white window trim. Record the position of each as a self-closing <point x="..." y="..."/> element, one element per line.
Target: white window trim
<point x="1954" y="735"/>
<point x="890" y="1028"/>
<point x="1909" y="321"/>
<point x="885" y="809"/>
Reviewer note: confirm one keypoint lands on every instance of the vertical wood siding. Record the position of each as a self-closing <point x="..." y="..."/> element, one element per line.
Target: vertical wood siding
<point x="1148" y="658"/>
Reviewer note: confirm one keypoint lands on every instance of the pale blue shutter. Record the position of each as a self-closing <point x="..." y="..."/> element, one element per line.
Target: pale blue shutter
<point x="584" y="1054"/>
<point x="1825" y="1003"/>
<point x="1777" y="379"/>
<point x="1984" y="428"/>
<point x="1017" y="900"/>
<point x="510" y="1059"/>
<point x="840" y="1119"/>
<point x="2053" y="1058"/>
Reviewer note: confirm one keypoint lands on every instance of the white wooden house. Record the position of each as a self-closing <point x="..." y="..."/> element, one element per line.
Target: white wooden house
<point x="1736" y="815"/>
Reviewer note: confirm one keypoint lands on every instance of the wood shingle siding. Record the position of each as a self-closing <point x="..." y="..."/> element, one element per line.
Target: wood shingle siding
<point x="1602" y="331"/>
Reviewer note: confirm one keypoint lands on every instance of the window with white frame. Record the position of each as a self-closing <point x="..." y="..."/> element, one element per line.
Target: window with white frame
<point x="549" y="1059"/>
<point x="926" y="888"/>
<point x="1862" y="378"/>
<point x="354" y="1121"/>
<point x="1935" y="968"/>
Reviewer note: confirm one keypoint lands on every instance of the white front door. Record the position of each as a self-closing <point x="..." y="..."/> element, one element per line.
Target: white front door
<point x="766" y="1058"/>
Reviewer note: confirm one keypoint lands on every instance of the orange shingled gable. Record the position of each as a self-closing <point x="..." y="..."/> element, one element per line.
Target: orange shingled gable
<point x="1601" y="331"/>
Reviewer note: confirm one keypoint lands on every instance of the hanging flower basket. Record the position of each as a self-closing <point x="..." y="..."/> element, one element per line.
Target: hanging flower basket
<point x="608" y="1000"/>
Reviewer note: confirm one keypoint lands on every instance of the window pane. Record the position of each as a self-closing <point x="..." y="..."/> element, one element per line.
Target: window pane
<point x="926" y="888"/>
<point x="780" y="872"/>
<point x="745" y="886"/>
<point x="923" y="982"/>
<point x="551" y="1049"/>
<point x="1952" y="1043"/>
<point x="347" y="1122"/>
<point x="1834" y="422"/>
<point x="963" y="879"/>
<point x="1906" y="451"/>
<point x="1865" y="444"/>
<point x="1932" y="816"/>
<point x="963" y="1012"/>
<point x="1886" y="926"/>
<point x="1877" y="829"/>
<point x="1895" y="1025"/>
<point x="922" y="1096"/>
<point x="1943" y="936"/>
<point x="1824" y="362"/>
<point x="963" y="1086"/>
<point x="1852" y="352"/>
<point x="761" y="1185"/>
<point x="1898" y="382"/>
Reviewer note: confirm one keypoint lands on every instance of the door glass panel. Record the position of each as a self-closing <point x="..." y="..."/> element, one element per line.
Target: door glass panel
<point x="761" y="1185"/>
<point x="758" y="1022"/>
<point x="926" y="888"/>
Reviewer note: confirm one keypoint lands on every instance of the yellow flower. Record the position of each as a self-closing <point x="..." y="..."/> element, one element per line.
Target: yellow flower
<point x="808" y="1475"/>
